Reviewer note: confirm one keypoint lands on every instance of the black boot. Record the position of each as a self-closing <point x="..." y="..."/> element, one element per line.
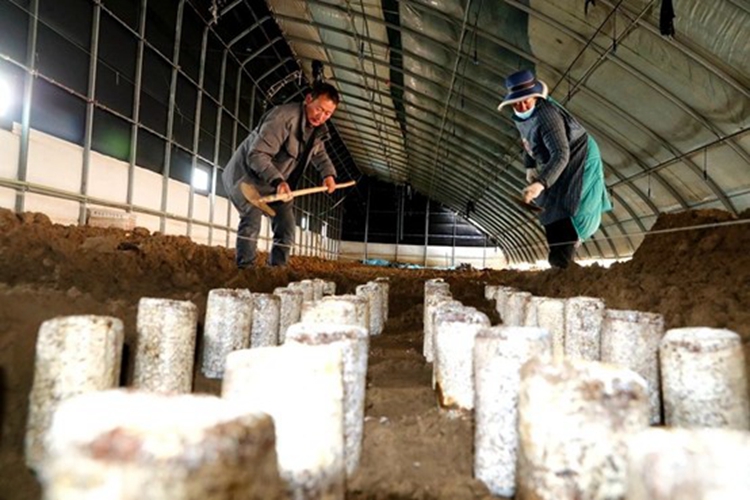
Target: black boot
<point x="561" y="238"/>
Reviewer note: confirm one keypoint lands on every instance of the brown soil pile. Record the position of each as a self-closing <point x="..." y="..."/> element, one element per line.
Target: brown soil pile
<point x="693" y="277"/>
<point x="411" y="448"/>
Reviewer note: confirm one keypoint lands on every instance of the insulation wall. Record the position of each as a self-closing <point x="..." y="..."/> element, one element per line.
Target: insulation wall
<point x="54" y="178"/>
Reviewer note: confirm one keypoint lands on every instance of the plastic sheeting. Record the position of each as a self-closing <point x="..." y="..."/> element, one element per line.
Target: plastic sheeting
<point x="421" y="80"/>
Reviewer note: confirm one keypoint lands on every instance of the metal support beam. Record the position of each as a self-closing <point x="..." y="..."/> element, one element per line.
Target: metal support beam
<point x="136" y="104"/>
<point x="28" y="92"/>
<point x="453" y="241"/>
<point x="217" y="147"/>
<point x="170" y="114"/>
<point x="367" y="220"/>
<point x="426" y="230"/>
<point x="197" y="129"/>
<point x="90" y="98"/>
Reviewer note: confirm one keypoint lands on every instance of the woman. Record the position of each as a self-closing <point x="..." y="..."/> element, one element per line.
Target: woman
<point x="563" y="167"/>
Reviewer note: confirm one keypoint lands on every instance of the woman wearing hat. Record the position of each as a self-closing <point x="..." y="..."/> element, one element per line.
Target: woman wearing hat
<point x="563" y="167"/>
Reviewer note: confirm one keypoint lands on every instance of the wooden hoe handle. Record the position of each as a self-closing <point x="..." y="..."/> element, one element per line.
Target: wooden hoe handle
<point x="302" y="192"/>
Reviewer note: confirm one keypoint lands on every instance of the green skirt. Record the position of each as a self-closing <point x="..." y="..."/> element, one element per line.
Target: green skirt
<point x="594" y="197"/>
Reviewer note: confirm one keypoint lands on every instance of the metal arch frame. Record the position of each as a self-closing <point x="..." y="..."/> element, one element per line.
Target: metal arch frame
<point x="428" y="112"/>
<point x="612" y="57"/>
<point x="325" y="47"/>
<point x="690" y="53"/>
<point x="591" y="127"/>
<point x="197" y="125"/>
<point x="362" y="145"/>
<point x="617" y="223"/>
<point x="467" y="148"/>
<point x="89" y="98"/>
<point x="247" y="31"/>
<point x="28" y="95"/>
<point x="227" y="53"/>
<point x="91" y="104"/>
<point x="676" y="159"/>
<point x="449" y="98"/>
<point x="260" y="50"/>
<point x="263" y="48"/>
<point x="252" y="13"/>
<point x="134" y="128"/>
<point x="720" y="195"/>
<point x="428" y="124"/>
<point x="228" y="8"/>
<point x="217" y="147"/>
<point x="140" y="37"/>
<point x="275" y="68"/>
<point x="628" y="154"/>
<point x="716" y="190"/>
<point x="380" y="62"/>
<point x="613" y="248"/>
<point x="622" y="201"/>
<point x="383" y="63"/>
<point x="420" y="138"/>
<point x="170" y="115"/>
<point x="459" y="201"/>
<point x="411" y="91"/>
<point x="361" y="66"/>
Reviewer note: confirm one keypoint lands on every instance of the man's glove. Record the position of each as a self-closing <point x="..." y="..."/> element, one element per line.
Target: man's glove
<point x="531" y="175"/>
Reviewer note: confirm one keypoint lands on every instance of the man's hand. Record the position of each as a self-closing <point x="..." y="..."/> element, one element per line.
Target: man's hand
<point x="532" y="191"/>
<point x="284" y="189"/>
<point x="330" y="183"/>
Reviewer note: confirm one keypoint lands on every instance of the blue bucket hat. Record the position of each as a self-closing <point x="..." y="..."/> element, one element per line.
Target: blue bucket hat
<point x="521" y="85"/>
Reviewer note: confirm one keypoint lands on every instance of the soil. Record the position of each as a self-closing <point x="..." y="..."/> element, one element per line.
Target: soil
<point x="412" y="449"/>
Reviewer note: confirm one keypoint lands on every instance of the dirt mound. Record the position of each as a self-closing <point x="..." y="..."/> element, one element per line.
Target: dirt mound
<point x="672" y="243"/>
<point x="694" y="277"/>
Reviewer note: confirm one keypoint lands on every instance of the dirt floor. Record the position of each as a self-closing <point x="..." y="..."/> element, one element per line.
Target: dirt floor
<point x="411" y="448"/>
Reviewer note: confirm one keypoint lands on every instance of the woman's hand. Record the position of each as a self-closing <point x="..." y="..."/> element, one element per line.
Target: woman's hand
<point x="532" y="191"/>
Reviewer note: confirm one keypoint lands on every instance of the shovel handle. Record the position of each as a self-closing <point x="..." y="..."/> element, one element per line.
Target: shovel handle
<point x="301" y="192"/>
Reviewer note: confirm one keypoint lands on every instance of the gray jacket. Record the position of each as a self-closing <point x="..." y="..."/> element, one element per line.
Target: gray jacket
<point x="272" y="151"/>
<point x="557" y="145"/>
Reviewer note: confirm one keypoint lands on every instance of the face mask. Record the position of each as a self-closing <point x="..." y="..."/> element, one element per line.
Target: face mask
<point x="525" y="114"/>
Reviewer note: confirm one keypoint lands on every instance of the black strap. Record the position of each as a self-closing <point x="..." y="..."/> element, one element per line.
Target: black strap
<point x="586" y="6"/>
<point x="666" y="17"/>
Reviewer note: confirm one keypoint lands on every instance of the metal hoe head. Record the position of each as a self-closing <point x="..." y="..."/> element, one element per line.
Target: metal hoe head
<point x="253" y="197"/>
<point x="528" y="206"/>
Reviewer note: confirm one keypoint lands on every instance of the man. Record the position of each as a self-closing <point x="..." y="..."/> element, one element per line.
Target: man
<point x="272" y="159"/>
<point x="563" y="167"/>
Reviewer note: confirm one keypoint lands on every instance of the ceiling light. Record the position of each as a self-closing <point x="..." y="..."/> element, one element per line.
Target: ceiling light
<point x="200" y="179"/>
